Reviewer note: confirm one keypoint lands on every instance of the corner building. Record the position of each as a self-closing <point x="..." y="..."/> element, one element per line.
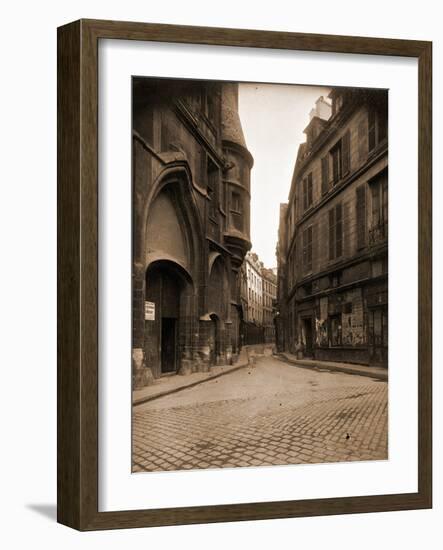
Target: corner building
<point x="334" y="243"/>
<point x="191" y="204"/>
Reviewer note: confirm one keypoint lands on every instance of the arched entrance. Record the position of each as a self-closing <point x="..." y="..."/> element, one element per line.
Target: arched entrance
<point x="218" y="307"/>
<point x="169" y="295"/>
<point x="214" y="340"/>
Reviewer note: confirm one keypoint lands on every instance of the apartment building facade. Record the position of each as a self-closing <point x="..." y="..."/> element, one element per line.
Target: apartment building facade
<point x="333" y="239"/>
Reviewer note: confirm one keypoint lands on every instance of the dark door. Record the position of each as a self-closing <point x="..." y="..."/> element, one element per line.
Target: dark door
<point x="308" y="336"/>
<point x="168" y="345"/>
<point x="212" y="340"/>
<point x="378" y="336"/>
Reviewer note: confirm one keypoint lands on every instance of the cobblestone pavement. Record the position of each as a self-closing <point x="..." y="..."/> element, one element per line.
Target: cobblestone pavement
<point x="270" y="414"/>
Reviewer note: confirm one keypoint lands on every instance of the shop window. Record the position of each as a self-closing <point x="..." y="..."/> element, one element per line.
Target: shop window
<point x="335" y="330"/>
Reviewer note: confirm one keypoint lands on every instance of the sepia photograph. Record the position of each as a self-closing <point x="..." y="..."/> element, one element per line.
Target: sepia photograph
<point x="259" y="275"/>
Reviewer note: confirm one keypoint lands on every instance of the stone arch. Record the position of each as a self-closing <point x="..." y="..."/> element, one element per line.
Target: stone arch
<point x="217" y="318"/>
<point x="218" y="286"/>
<point x="173" y="187"/>
<point x="170" y="294"/>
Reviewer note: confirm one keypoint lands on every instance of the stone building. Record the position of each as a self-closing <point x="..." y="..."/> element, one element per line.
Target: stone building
<point x="333" y="239"/>
<point x="280" y="306"/>
<point x="258" y="294"/>
<point x="191" y="196"/>
<point x="269" y="285"/>
<point x="253" y="291"/>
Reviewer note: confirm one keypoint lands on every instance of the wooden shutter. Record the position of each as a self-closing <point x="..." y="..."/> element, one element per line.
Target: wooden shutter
<point x="309" y="185"/>
<point x="325" y="174"/>
<point x="375" y="187"/>
<point x="346" y="153"/>
<point x="331" y="234"/>
<point x="361" y="216"/>
<point x="305" y="194"/>
<point x="338" y="231"/>
<point x="362" y="143"/>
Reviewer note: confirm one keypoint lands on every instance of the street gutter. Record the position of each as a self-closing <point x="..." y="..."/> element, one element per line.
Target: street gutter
<point x="378" y="373"/>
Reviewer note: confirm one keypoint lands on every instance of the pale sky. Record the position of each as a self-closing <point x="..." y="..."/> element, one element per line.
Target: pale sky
<point x="273" y="117"/>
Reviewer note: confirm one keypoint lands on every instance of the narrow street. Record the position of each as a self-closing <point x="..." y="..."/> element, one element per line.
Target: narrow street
<point x="272" y="413"/>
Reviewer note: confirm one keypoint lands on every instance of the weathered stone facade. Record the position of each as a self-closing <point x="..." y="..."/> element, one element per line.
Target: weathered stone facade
<point x="269" y="298"/>
<point x="333" y="238"/>
<point x="191" y="201"/>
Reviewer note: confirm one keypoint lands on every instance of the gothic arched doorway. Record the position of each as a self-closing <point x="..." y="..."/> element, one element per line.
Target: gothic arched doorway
<point x="214" y="340"/>
<point x="168" y="293"/>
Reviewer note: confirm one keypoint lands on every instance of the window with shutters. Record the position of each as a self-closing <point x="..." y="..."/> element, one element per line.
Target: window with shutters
<point x="341" y="160"/>
<point x="361" y="216"/>
<point x="378" y="231"/>
<point x="324" y="175"/>
<point x="346" y="153"/>
<point x="336" y="163"/>
<point x="377" y="124"/>
<point x="307" y="191"/>
<point x="307" y="248"/>
<point x="335" y="232"/>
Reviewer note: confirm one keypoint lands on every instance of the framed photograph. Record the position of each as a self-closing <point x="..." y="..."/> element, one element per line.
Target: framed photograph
<point x="244" y="275"/>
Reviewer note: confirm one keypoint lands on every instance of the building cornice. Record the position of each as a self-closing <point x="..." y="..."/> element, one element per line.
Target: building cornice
<point x="367" y="255"/>
<point x="346" y="286"/>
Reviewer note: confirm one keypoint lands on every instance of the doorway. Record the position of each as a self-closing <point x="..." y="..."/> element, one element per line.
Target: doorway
<point x="214" y="341"/>
<point x="168" y="345"/>
<point x="164" y="290"/>
<point x="378" y="336"/>
<point x="307" y="329"/>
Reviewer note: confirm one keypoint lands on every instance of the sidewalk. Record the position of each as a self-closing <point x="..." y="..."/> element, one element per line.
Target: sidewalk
<point x="172" y="384"/>
<point x="380" y="373"/>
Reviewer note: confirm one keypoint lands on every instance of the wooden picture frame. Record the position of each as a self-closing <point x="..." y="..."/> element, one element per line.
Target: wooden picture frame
<point x="77" y="479"/>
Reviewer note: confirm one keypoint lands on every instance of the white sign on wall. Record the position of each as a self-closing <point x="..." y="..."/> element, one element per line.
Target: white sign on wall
<point x="149" y="311"/>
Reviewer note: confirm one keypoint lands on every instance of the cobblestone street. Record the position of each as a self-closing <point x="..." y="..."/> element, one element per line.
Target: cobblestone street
<point x="270" y="414"/>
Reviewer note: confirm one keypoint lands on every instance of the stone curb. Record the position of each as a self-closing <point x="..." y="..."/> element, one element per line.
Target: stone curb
<point x="335" y="367"/>
<point x="143" y="400"/>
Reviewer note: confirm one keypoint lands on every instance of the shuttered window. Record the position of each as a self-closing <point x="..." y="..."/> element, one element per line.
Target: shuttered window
<point x="361" y="216"/>
<point x="324" y="175"/>
<point x="335" y="232"/>
<point x="307" y="191"/>
<point x="362" y="141"/>
<point x="346" y="153"/>
<point x="336" y="162"/>
<point x="307" y="248"/>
